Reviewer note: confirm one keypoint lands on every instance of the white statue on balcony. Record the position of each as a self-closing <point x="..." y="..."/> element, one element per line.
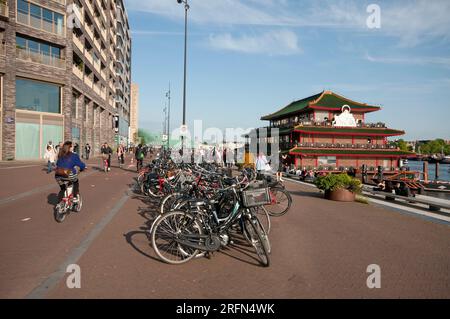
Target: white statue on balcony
<point x="346" y="119"/>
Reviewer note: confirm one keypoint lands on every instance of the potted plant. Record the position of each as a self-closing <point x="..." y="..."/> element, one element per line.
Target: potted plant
<point x="339" y="187"/>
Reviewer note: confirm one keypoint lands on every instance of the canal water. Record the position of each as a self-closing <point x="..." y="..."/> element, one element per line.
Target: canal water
<point x="444" y="170"/>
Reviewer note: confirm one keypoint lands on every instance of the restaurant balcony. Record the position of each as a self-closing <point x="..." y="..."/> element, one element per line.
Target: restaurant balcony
<point x="346" y="146"/>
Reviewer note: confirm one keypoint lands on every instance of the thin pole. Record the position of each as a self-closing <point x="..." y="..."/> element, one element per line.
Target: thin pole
<point x="186" y="8"/>
<point x="168" y="122"/>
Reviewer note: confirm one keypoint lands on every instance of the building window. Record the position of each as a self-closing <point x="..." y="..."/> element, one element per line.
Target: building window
<point x="74" y="106"/>
<point x="38" y="52"/>
<point x="327" y="160"/>
<point x="38" y="96"/>
<point x="40" y="18"/>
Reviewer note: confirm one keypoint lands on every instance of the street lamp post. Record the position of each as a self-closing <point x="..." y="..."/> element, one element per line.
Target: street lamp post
<point x="168" y="119"/>
<point x="186" y="8"/>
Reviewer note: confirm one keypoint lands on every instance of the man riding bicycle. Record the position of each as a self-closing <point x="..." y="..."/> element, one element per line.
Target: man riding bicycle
<point x="66" y="169"/>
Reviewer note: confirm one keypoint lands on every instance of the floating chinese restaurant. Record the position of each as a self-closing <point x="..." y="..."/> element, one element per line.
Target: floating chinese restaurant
<point x="327" y="131"/>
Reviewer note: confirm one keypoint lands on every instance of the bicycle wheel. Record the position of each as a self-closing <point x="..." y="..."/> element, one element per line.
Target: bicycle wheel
<point x="60" y="213"/>
<point x="264" y="218"/>
<point x="281" y="202"/>
<point x="167" y="202"/>
<point x="258" y="240"/>
<point x="170" y="226"/>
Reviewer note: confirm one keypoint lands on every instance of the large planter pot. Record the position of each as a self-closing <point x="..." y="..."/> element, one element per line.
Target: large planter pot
<point x="340" y="195"/>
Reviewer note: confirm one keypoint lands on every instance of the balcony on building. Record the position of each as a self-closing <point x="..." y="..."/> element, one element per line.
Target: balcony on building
<point x="89" y="5"/>
<point x="88" y="77"/>
<point x="30" y="55"/>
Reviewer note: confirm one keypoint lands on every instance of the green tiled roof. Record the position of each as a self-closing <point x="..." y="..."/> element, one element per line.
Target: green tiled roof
<point x="327" y="151"/>
<point x="282" y="131"/>
<point x="329" y="100"/>
<point x="346" y="130"/>
<point x="336" y="102"/>
<point x="291" y="108"/>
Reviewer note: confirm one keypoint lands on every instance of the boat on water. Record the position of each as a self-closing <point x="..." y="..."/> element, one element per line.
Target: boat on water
<point x="446" y="160"/>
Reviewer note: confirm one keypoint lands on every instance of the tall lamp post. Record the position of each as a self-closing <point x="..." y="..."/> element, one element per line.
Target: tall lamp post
<point x="186" y="8"/>
<point x="168" y="119"/>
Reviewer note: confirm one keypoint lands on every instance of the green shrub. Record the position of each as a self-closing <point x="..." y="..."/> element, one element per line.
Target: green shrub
<point x="333" y="182"/>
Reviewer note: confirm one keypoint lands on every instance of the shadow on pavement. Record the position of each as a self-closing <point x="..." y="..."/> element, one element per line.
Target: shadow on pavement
<point x="53" y="199"/>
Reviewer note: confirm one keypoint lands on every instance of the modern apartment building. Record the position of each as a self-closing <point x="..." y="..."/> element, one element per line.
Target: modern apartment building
<point x="65" y="67"/>
<point x="134" y="113"/>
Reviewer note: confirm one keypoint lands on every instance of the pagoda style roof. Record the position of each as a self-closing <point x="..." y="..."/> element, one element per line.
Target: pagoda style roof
<point x="352" y="131"/>
<point x="282" y="131"/>
<point x="326" y="100"/>
<point x="351" y="152"/>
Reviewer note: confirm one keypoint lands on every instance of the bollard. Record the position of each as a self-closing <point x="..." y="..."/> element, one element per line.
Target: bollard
<point x="425" y="171"/>
<point x="437" y="171"/>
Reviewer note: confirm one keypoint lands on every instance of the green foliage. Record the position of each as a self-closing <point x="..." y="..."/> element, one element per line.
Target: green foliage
<point x="435" y="147"/>
<point x="333" y="182"/>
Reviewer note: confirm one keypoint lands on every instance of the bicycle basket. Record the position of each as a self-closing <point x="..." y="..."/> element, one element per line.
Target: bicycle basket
<point x="256" y="197"/>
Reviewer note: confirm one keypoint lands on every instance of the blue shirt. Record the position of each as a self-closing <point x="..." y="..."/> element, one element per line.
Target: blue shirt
<point x="70" y="162"/>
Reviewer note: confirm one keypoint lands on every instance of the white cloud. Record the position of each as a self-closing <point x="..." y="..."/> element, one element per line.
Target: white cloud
<point x="411" y="22"/>
<point x="275" y="42"/>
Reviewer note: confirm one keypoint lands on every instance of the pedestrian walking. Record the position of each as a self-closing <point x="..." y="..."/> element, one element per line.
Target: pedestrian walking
<point x="139" y="155"/>
<point x="281" y="166"/>
<point x="87" y="150"/>
<point x="107" y="152"/>
<point x="121" y="155"/>
<point x="50" y="156"/>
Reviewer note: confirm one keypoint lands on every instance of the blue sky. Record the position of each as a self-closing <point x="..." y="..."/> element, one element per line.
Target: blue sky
<point x="248" y="58"/>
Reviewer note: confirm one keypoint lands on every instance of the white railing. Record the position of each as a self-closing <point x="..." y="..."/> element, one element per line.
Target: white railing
<point x="63" y="2"/>
<point x="37" y="57"/>
<point x="77" y="71"/>
<point x="88" y="81"/>
<point x="97" y="44"/>
<point x="89" y="57"/>
<point x="96" y="89"/>
<point x="89" y="5"/>
<point x="78" y="43"/>
<point x="90" y="32"/>
<point x="103" y="54"/>
<point x="103" y="74"/>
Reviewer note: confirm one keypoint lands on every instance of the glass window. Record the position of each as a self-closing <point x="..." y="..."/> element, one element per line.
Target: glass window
<point x="37" y="96"/>
<point x="22" y="6"/>
<point x="27" y="141"/>
<point x="59" y="23"/>
<point x="35" y="11"/>
<point x="56" y="52"/>
<point x="45" y="49"/>
<point x="33" y="45"/>
<point x="327" y="160"/>
<point x="21" y="42"/>
<point x="47" y="15"/>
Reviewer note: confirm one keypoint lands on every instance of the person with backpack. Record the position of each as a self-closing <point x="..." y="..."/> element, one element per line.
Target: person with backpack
<point x="139" y="157"/>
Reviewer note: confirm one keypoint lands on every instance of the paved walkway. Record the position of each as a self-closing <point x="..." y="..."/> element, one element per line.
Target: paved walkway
<point x="320" y="249"/>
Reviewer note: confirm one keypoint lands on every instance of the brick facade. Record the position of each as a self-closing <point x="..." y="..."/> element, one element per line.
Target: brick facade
<point x="11" y="68"/>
